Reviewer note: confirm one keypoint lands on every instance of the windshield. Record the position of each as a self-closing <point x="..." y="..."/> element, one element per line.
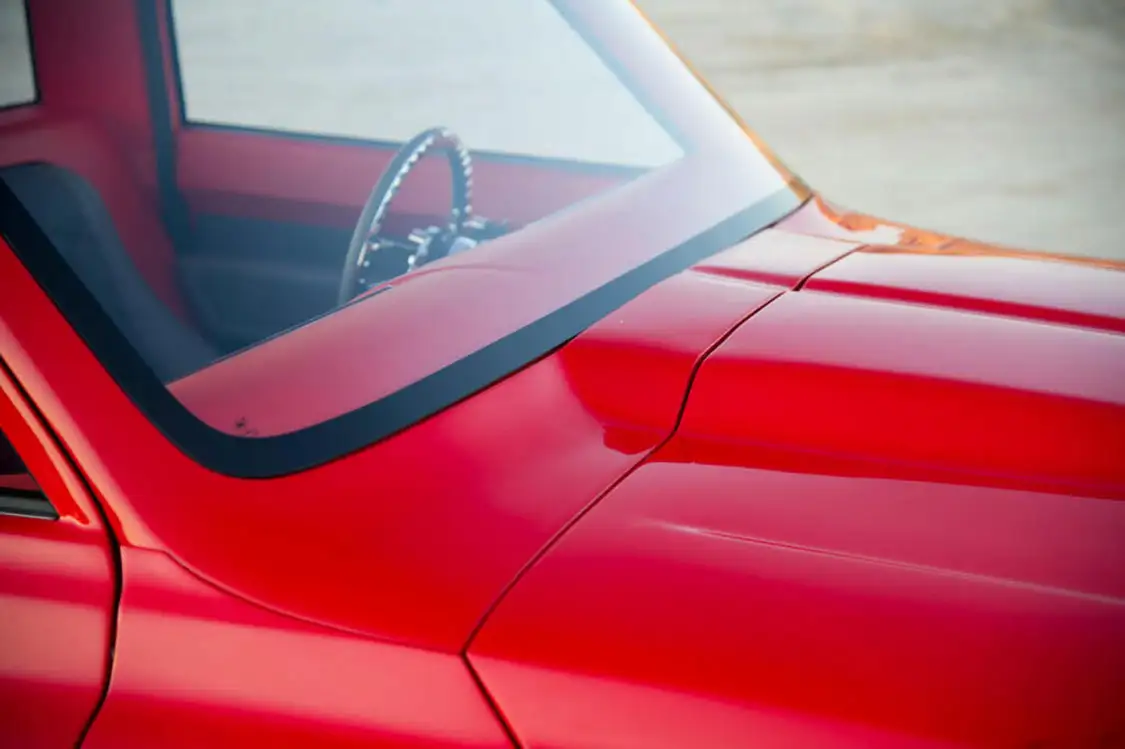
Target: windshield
<point x="293" y="229"/>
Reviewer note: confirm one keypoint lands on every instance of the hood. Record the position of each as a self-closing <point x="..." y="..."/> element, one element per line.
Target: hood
<point x="895" y="261"/>
<point x="936" y="353"/>
<point x="887" y="517"/>
<point x="981" y="278"/>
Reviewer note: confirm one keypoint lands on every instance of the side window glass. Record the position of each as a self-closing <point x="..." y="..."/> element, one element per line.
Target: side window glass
<point x="19" y="493"/>
<point x="17" y="71"/>
<point x="508" y="76"/>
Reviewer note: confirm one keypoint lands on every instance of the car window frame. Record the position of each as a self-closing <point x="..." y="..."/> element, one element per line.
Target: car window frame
<point x="21" y="503"/>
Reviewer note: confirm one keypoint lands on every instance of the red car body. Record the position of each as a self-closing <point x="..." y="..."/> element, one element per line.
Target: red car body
<point x="839" y="483"/>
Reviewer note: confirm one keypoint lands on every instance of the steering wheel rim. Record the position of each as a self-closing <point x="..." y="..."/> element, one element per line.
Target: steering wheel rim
<point x="365" y="238"/>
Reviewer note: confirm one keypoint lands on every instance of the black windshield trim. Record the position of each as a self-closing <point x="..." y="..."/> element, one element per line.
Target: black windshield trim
<point x="268" y="457"/>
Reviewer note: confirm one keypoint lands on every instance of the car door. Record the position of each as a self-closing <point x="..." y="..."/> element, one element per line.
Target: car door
<point x="194" y="662"/>
<point x="57" y="586"/>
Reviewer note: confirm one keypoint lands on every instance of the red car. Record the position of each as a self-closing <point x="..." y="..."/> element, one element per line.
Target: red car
<point x="435" y="373"/>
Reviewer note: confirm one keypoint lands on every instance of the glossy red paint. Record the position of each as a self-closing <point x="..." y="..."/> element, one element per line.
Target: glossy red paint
<point x="746" y="596"/>
<point x="901" y="263"/>
<point x="196" y="666"/>
<point x="847" y="483"/>
<point x="534" y="271"/>
<point x="516" y="462"/>
<point x="1027" y="287"/>
<point x="924" y="385"/>
<point x="245" y="390"/>
<point x="56" y="594"/>
<point x="778" y="257"/>
<point x="877" y="525"/>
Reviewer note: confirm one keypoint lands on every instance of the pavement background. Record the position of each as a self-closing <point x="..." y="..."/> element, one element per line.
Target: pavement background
<point x="1001" y="120"/>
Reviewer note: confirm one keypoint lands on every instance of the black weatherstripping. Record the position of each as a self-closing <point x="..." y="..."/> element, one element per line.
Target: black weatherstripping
<point x="264" y="457"/>
<point x="29" y="504"/>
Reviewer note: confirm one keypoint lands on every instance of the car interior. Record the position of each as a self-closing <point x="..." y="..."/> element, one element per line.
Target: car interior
<point x="234" y="278"/>
<point x="14" y="477"/>
<point x="244" y="232"/>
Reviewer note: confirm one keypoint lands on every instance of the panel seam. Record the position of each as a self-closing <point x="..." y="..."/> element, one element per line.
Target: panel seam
<point x="490" y="701"/>
<point x="672" y="432"/>
<point x="114" y="549"/>
<point x="800" y="285"/>
<point x="643" y="459"/>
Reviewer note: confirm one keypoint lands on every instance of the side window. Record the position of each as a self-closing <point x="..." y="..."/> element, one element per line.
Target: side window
<point x="17" y="71"/>
<point x="19" y="494"/>
<point x="509" y="76"/>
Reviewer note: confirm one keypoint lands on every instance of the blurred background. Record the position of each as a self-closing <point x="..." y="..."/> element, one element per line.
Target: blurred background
<point x="1000" y="120"/>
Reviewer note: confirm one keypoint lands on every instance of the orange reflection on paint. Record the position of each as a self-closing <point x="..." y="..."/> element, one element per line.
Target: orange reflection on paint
<point x="821" y="218"/>
<point x="908" y="236"/>
<point x="969" y="248"/>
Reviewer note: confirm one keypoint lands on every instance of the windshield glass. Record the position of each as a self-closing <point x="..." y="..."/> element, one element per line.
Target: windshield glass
<point x="292" y="229"/>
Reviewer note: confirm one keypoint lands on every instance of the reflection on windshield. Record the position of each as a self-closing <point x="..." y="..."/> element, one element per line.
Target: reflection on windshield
<point x="374" y="209"/>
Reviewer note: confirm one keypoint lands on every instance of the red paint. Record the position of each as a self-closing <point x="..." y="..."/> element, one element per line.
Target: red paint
<point x="921" y="385"/>
<point x="535" y="272"/>
<point x="56" y="595"/>
<point x="777" y="257"/>
<point x="878" y="525"/>
<point x="847" y="483"/>
<point x="421" y="531"/>
<point x="1027" y="286"/>
<point x="721" y="598"/>
<point x="198" y="667"/>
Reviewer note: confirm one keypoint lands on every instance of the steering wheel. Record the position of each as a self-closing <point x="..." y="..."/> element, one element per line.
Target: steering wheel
<point x="421" y="245"/>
